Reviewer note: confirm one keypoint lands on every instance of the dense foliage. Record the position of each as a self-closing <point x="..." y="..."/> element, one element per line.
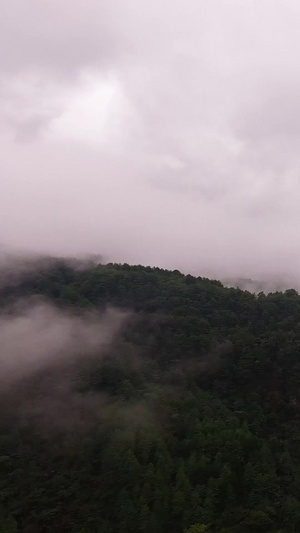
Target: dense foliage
<point x="200" y="402"/>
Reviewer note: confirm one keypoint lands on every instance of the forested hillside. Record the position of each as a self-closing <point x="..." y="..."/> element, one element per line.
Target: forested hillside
<point x="189" y="421"/>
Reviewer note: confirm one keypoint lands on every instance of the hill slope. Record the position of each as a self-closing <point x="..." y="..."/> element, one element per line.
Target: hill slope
<point x="188" y="420"/>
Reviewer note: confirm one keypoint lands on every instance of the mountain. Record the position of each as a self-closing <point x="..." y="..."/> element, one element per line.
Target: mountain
<point x="271" y="284"/>
<point x="137" y="399"/>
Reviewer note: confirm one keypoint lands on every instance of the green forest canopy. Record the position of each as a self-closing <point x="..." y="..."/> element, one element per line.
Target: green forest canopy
<point x="201" y="392"/>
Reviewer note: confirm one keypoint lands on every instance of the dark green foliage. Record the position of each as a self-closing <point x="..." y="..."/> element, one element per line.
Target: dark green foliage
<point x="200" y="401"/>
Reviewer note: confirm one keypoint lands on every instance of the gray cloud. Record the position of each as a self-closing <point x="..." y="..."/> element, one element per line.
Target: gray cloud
<point x="162" y="134"/>
<point x="37" y="336"/>
<point x="60" y="38"/>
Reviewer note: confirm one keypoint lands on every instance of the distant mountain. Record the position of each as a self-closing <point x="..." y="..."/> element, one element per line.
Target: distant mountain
<point x="273" y="284"/>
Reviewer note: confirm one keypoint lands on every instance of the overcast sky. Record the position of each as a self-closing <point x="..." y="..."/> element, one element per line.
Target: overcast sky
<point x="155" y="132"/>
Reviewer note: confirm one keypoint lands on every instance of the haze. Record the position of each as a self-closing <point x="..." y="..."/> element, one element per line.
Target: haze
<point x="163" y="133"/>
<point x="37" y="335"/>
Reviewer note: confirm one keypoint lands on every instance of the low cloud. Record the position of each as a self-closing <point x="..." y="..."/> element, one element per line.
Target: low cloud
<point x="36" y="335"/>
<point x="45" y="360"/>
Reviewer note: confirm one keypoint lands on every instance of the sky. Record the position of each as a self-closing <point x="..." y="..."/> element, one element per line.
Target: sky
<point x="162" y="133"/>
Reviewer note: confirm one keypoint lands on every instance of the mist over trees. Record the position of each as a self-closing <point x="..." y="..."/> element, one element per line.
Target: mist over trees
<point x="165" y="402"/>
